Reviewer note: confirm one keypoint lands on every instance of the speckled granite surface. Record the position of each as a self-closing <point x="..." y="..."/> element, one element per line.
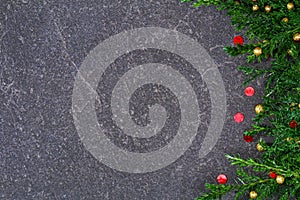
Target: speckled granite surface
<point x="45" y="151"/>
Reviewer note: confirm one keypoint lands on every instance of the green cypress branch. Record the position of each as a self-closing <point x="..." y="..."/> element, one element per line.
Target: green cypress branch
<point x="281" y="100"/>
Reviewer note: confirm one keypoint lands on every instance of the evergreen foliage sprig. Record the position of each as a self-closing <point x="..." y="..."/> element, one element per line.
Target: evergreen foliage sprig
<point x="281" y="100"/>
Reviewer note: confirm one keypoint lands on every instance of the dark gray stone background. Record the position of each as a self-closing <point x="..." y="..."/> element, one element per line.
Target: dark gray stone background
<point x="42" y="45"/>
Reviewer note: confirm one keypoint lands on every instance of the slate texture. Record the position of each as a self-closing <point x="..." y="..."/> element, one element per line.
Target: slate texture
<point x="43" y="45"/>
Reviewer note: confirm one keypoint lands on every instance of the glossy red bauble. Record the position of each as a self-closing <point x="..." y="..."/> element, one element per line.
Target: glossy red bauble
<point x="222" y="179"/>
<point x="238" y="40"/>
<point x="293" y="124"/>
<point x="248" y="138"/>
<point x="249" y="91"/>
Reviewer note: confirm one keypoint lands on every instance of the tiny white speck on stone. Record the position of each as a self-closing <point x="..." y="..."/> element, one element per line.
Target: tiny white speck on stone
<point x="21" y="38"/>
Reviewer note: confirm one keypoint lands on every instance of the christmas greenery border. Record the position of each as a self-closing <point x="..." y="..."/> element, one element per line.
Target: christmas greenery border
<point x="273" y="29"/>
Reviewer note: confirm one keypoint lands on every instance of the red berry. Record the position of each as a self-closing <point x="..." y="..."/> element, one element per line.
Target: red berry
<point x="222" y="179"/>
<point x="248" y="138"/>
<point x="238" y="40"/>
<point x="273" y="174"/>
<point x="249" y="91"/>
<point x="293" y="124"/>
<point x="239" y="117"/>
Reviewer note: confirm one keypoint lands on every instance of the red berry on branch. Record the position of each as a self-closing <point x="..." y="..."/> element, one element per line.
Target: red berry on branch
<point x="248" y="138"/>
<point x="222" y="179"/>
<point x="249" y="91"/>
<point x="273" y="174"/>
<point x="239" y="117"/>
<point x="293" y="124"/>
<point x="238" y="40"/>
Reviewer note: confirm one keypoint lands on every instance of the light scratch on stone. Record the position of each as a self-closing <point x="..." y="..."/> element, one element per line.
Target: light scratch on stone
<point x="67" y="55"/>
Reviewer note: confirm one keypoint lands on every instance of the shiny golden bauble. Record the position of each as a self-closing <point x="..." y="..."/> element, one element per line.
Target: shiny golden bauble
<point x="257" y="51"/>
<point x="253" y="195"/>
<point x="255" y="7"/>
<point x="286" y="20"/>
<point x="292" y="106"/>
<point x="290" y="6"/>
<point x="259" y="108"/>
<point x="279" y="179"/>
<point x="296" y="37"/>
<point x="259" y="147"/>
<point x="299" y="105"/>
<point x="267" y="8"/>
<point x="289" y="139"/>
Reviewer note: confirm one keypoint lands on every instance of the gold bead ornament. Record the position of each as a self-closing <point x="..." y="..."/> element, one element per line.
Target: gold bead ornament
<point x="253" y="195"/>
<point x="268" y="8"/>
<point x="255" y="7"/>
<point x="299" y="105"/>
<point x="296" y="37"/>
<point x="286" y="20"/>
<point x="257" y="51"/>
<point x="280" y="179"/>
<point x="259" y="108"/>
<point x="259" y="147"/>
<point x="292" y="106"/>
<point x="290" y="6"/>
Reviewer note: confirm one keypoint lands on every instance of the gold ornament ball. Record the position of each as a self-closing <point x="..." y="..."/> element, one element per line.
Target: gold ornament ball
<point x="286" y="20"/>
<point x="257" y="51"/>
<point x="253" y="195"/>
<point x="280" y="179"/>
<point x="289" y="139"/>
<point x="290" y="6"/>
<point x="255" y="7"/>
<point x="292" y="106"/>
<point x="267" y="8"/>
<point x="259" y="147"/>
<point x="296" y="37"/>
<point x="299" y="105"/>
<point x="259" y="108"/>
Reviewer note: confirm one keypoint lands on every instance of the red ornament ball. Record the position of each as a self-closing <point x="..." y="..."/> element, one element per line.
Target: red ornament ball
<point x="248" y="138"/>
<point x="238" y="40"/>
<point x="222" y="179"/>
<point x="293" y="124"/>
<point x="239" y="117"/>
<point x="249" y="91"/>
<point x="273" y="174"/>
